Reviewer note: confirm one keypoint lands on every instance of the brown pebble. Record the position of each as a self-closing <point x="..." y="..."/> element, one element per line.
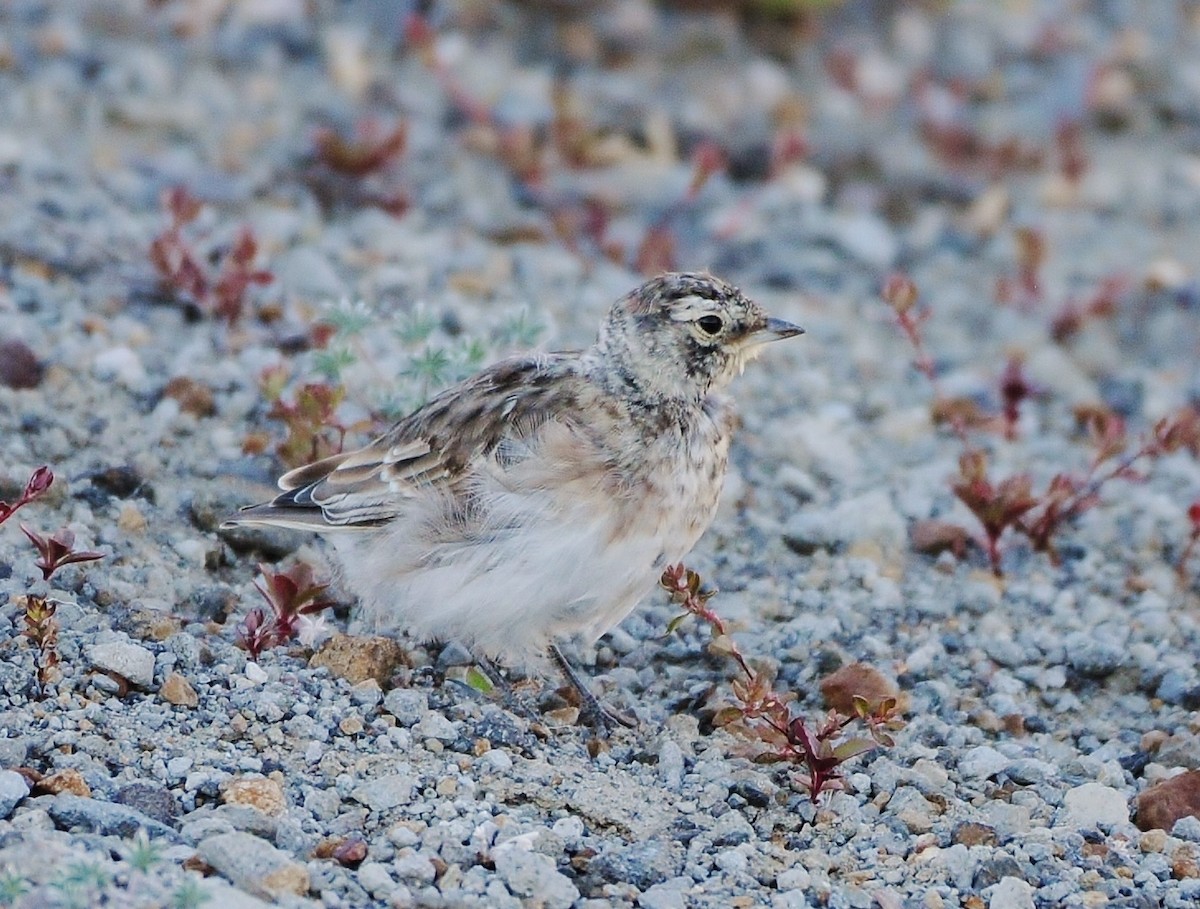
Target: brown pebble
<point x="193" y="397"/>
<point x="178" y="691"/>
<point x="1164" y="803"/>
<point x="264" y="794"/>
<point x="357" y="659"/>
<point x="973" y="834"/>
<point x="1184" y="863"/>
<point x="856" y="679"/>
<point x="69" y="781"/>
<point x="19" y="365"/>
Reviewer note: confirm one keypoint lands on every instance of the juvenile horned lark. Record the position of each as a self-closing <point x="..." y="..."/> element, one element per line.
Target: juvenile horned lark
<point x="544" y="496"/>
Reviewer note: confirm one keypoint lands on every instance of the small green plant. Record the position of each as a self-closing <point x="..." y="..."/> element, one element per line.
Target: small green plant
<point x="764" y="718"/>
<point x="143" y="853"/>
<point x="12" y="888"/>
<point x="189" y="894"/>
<point x="82" y="884"/>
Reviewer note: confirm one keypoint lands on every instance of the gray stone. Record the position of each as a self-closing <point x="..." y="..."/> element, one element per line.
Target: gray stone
<point x="13" y="788"/>
<point x="376" y="879"/>
<point x="14" y="751"/>
<point x="1096" y="654"/>
<point x="454" y="654"/>
<point x="435" y="726"/>
<point x="1027" y="771"/>
<point x="732" y="861"/>
<point x="412" y="866"/>
<point x="186" y="649"/>
<point x="670" y="765"/>
<point x="367" y="693"/>
<point x="152" y="801"/>
<point x="496" y="760"/>
<point x="254" y="865"/>
<point x="1187" y="828"/>
<point x="981" y="763"/>
<point x="870" y="516"/>
<point x="72" y="812"/>
<point x="667" y="895"/>
<point x="128" y="660"/>
<point x="407" y="705"/>
<point x="1093" y="804"/>
<point x="1010" y="893"/>
<point x="532" y="874"/>
<point x="795" y="878"/>
<point x="308" y="273"/>
<point x="642" y="864"/>
<point x="386" y="792"/>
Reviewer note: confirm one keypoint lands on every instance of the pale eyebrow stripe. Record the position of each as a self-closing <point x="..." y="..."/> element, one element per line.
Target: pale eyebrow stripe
<point x="689" y="308"/>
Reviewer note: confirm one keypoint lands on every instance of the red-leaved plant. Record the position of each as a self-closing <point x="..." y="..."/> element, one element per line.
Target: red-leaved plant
<point x="1011" y="504"/>
<point x="54" y="552"/>
<point x="762" y="716"/>
<point x="220" y="292"/>
<point x="293" y="597"/>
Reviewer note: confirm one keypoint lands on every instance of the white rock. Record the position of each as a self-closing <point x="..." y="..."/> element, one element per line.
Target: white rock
<point x="870" y="516"/>
<point x="120" y="363"/>
<point x="796" y="878"/>
<point x="376" y="879"/>
<point x="1092" y="804"/>
<point x="496" y="760"/>
<point x="982" y="762"/>
<point x="128" y="660"/>
<point x="1010" y="893"/>
<point x="386" y="792"/>
<point x="530" y="874"/>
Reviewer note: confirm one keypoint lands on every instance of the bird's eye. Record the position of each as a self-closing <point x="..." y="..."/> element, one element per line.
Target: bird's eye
<point x="711" y="325"/>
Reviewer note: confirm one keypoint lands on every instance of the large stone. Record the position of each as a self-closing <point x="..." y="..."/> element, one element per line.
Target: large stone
<point x="386" y="792"/>
<point x="72" y="812"/>
<point x="534" y="875"/>
<point x="13" y="788"/>
<point x="254" y="865"/>
<point x="357" y="659"/>
<point x="1160" y="806"/>
<point x="261" y="793"/>
<point x="128" y="660"/>
<point x="1093" y="804"/>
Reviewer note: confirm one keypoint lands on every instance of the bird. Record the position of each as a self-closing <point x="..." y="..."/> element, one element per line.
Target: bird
<point x="542" y="498"/>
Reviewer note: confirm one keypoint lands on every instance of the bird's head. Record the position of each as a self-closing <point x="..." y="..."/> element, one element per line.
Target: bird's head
<point x="685" y="334"/>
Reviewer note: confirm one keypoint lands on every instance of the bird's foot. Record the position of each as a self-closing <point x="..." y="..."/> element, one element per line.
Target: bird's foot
<point x="601" y="718"/>
<point x="514" y="700"/>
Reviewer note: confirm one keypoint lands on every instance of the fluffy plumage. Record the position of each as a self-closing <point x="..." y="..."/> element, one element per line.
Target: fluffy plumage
<point x="545" y="495"/>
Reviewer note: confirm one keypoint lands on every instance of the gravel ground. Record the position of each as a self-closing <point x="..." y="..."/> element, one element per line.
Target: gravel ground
<point x="1023" y="151"/>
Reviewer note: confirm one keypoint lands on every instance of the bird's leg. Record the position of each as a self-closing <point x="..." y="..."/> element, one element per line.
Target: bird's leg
<point x="514" y="700"/>
<point x="591" y="711"/>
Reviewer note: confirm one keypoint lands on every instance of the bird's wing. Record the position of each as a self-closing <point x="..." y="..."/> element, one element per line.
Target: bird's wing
<point x="432" y="447"/>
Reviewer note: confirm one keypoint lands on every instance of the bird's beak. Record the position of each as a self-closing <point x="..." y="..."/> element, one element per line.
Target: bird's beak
<point x="774" y="330"/>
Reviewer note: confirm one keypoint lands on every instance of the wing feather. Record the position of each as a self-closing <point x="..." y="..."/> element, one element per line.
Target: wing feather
<point x="434" y="447"/>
